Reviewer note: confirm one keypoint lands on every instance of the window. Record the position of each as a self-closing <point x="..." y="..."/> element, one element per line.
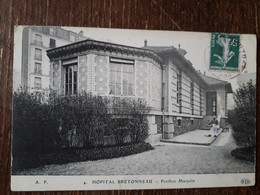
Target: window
<point x="121" y="77"/>
<point x="177" y="91"/>
<point x="192" y="97"/>
<point x="201" y="101"/>
<point x="52" y="43"/>
<point x="179" y="75"/>
<point x="52" y="31"/>
<point x="37" y="83"/>
<point x="214" y="106"/>
<point x="71" y="79"/>
<point x="179" y="122"/>
<point x="38" y="68"/>
<point x="72" y="37"/>
<point x="192" y="121"/>
<point x="38" y="39"/>
<point x="38" y="54"/>
<point x="226" y="104"/>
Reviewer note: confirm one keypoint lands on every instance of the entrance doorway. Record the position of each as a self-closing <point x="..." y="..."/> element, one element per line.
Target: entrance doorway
<point x="211" y="103"/>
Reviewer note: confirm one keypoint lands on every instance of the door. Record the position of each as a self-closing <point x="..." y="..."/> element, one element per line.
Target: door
<point x="211" y="103"/>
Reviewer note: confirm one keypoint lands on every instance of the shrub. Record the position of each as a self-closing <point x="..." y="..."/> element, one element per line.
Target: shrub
<point x="67" y="155"/>
<point x="83" y="120"/>
<point x="35" y="128"/>
<point x="243" y="118"/>
<point x="131" y="120"/>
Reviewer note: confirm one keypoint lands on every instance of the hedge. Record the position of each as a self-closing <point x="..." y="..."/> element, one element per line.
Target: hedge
<point x="84" y="121"/>
<point x="67" y="155"/>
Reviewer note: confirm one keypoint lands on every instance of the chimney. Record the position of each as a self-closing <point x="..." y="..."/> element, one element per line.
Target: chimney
<point x="181" y="51"/>
<point x="145" y="43"/>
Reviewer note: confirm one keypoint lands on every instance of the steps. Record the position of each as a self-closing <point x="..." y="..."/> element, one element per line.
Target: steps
<point x="205" y="121"/>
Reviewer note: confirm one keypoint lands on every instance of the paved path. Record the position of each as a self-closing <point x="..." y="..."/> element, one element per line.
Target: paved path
<point x="199" y="137"/>
<point x="167" y="158"/>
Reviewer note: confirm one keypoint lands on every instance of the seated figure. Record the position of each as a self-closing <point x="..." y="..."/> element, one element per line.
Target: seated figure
<point x="215" y="126"/>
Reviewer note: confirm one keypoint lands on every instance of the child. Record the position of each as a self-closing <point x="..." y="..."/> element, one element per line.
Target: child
<point x="214" y="128"/>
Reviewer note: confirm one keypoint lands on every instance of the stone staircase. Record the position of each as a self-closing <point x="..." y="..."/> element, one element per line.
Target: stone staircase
<point x="205" y="121"/>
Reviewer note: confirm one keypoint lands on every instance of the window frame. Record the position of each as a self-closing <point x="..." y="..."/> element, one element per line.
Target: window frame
<point x="38" y="69"/>
<point x="52" y="31"/>
<point x="192" y="97"/>
<point x="179" y="89"/>
<point x="36" y="41"/>
<point x="40" y="55"/>
<point x="35" y="83"/>
<point x="52" y="40"/>
<point x="122" y="64"/>
<point x="71" y="89"/>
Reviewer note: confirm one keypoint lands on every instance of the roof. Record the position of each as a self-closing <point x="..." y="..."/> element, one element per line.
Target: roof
<point x="177" y="55"/>
<point x="74" y="49"/>
<point x="217" y="82"/>
<point x="161" y="54"/>
<point x="213" y="81"/>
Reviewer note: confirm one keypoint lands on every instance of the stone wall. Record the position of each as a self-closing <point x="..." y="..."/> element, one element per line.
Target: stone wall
<point x="186" y="125"/>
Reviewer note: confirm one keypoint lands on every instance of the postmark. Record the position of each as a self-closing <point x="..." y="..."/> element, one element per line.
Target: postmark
<point x="225" y="57"/>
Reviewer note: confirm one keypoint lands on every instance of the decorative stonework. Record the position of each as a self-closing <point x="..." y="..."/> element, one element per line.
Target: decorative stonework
<point x="141" y="79"/>
<point x="56" y="75"/>
<point x="155" y="86"/>
<point x="91" y="73"/>
<point x="83" y="73"/>
<point x="186" y="125"/>
<point x="101" y="78"/>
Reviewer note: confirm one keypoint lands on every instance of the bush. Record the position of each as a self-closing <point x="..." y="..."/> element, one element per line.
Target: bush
<point x="81" y="121"/>
<point x="247" y="153"/>
<point x="67" y="155"/>
<point x="243" y="118"/>
<point x="35" y="126"/>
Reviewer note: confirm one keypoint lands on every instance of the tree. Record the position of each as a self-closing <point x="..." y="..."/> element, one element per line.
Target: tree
<point x="243" y="120"/>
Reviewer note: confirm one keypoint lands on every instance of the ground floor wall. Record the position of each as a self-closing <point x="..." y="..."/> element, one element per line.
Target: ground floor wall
<point x="172" y="126"/>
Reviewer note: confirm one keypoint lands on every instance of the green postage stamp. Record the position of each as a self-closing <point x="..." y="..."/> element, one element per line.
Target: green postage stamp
<point x="224" y="52"/>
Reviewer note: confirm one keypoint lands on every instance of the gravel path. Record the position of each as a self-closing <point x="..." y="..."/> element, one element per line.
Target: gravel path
<point x="165" y="159"/>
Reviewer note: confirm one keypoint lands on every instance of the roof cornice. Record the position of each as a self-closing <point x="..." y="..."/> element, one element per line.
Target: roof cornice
<point x="74" y="49"/>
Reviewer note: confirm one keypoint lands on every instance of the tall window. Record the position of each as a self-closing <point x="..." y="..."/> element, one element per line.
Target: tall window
<point x="52" y="31"/>
<point x="201" y="101"/>
<point x="38" y="39"/>
<point x="121" y="77"/>
<point x="226" y="104"/>
<point x="38" y="54"/>
<point x="192" y="97"/>
<point x="179" y="90"/>
<point x="52" y="43"/>
<point x="37" y="83"/>
<point x="71" y="79"/>
<point x="38" y="68"/>
<point x="214" y="105"/>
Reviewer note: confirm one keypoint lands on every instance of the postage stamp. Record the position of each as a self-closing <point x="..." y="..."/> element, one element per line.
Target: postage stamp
<point x="224" y="52"/>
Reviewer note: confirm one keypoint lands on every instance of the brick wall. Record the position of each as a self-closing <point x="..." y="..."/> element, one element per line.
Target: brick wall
<point x="186" y="125"/>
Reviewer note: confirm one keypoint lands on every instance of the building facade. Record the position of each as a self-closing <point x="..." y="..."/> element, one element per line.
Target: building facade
<point x="181" y="98"/>
<point x="35" y="66"/>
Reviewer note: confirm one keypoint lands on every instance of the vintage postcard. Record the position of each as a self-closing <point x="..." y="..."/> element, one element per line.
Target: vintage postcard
<point x="103" y="109"/>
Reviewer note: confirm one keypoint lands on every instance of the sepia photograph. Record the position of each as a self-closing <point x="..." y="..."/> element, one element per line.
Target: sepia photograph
<point x="132" y="109"/>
